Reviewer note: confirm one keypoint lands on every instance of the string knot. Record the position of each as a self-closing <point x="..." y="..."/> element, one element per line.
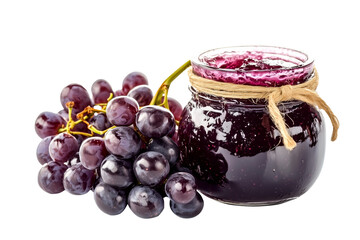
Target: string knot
<point x="286" y="93"/>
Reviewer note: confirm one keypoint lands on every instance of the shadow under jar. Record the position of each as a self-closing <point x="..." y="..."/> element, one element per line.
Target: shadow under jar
<point x="232" y="146"/>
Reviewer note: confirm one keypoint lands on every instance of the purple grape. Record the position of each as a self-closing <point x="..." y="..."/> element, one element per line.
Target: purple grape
<point x="165" y="146"/>
<point x="101" y="91"/>
<point x="181" y="187"/>
<point x="50" y="177"/>
<point x="100" y="122"/>
<point x="92" y="152"/>
<point x="78" y="180"/>
<point x="121" y="111"/>
<point x="142" y="94"/>
<point x="117" y="172"/>
<point x="123" y="142"/>
<point x="77" y="94"/>
<point x="151" y="168"/>
<point x="175" y="107"/>
<point x="145" y="202"/>
<point x="48" y="124"/>
<point x="109" y="199"/>
<point x="188" y="210"/>
<point x="65" y="115"/>
<point x="119" y="92"/>
<point x="63" y="147"/>
<point x="154" y="121"/>
<point x="42" y="151"/>
<point x="132" y="80"/>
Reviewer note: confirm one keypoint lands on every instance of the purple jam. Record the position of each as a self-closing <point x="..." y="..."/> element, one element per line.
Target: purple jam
<point x="235" y="151"/>
<point x="257" y="66"/>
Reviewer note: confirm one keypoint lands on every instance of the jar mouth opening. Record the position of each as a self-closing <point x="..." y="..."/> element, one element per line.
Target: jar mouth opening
<point x="252" y="58"/>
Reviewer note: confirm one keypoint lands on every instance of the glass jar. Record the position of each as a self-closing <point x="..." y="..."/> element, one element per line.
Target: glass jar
<point x="232" y="146"/>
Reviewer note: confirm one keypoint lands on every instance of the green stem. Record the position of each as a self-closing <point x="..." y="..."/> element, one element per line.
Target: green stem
<point x="164" y="88"/>
<point x="93" y="129"/>
<point x="166" y="103"/>
<point x="63" y="129"/>
<point x="175" y="74"/>
<point x="81" y="133"/>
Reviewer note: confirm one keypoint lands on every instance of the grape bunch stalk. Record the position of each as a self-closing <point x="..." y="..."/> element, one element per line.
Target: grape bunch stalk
<point x="121" y="145"/>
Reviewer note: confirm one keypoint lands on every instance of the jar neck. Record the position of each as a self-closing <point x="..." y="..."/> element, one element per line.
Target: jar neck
<point x="254" y="65"/>
<point x="206" y="99"/>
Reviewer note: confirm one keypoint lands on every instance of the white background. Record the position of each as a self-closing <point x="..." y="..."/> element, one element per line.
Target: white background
<point x="45" y="45"/>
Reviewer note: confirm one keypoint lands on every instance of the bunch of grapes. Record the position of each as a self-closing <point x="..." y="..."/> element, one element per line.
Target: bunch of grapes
<point x="120" y="145"/>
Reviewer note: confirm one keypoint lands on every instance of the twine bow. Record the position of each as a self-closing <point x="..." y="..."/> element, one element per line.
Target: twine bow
<point x="304" y="92"/>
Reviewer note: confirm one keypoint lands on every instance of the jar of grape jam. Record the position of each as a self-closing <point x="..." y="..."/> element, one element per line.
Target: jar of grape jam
<point x="232" y="146"/>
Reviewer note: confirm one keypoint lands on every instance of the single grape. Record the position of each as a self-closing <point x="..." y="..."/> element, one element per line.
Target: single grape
<point x="48" y="124"/>
<point x="50" y="177"/>
<point x="42" y="151"/>
<point x="63" y="147"/>
<point x="151" y="168"/>
<point x="142" y="94"/>
<point x="100" y="121"/>
<point x="77" y="94"/>
<point x="65" y="115"/>
<point x="121" y="111"/>
<point x="92" y="152"/>
<point x="175" y="107"/>
<point x="154" y="121"/>
<point x="78" y="180"/>
<point x="132" y="80"/>
<point x="119" y="92"/>
<point x="123" y="142"/>
<point x="188" y="210"/>
<point x="101" y="91"/>
<point x="117" y="172"/>
<point x="181" y="187"/>
<point x="165" y="146"/>
<point x="110" y="200"/>
<point x="145" y="202"/>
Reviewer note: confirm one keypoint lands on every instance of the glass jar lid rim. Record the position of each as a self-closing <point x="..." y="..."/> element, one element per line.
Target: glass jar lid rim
<point x="308" y="61"/>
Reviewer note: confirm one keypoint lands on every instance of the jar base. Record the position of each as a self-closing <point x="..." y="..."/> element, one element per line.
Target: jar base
<point x="252" y="204"/>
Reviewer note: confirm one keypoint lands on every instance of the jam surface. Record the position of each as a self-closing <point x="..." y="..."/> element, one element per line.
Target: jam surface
<point x="236" y="153"/>
<point x="247" y="61"/>
<point x="258" y="67"/>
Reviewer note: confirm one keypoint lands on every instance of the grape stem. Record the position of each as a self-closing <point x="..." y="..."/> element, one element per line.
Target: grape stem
<point x="161" y="96"/>
<point x="95" y="130"/>
<point x="82" y="117"/>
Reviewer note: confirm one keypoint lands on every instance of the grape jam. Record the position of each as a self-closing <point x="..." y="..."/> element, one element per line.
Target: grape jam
<point x="257" y="66"/>
<point x="235" y="151"/>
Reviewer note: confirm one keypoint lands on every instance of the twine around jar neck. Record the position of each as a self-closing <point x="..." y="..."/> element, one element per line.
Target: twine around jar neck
<point x="304" y="92"/>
